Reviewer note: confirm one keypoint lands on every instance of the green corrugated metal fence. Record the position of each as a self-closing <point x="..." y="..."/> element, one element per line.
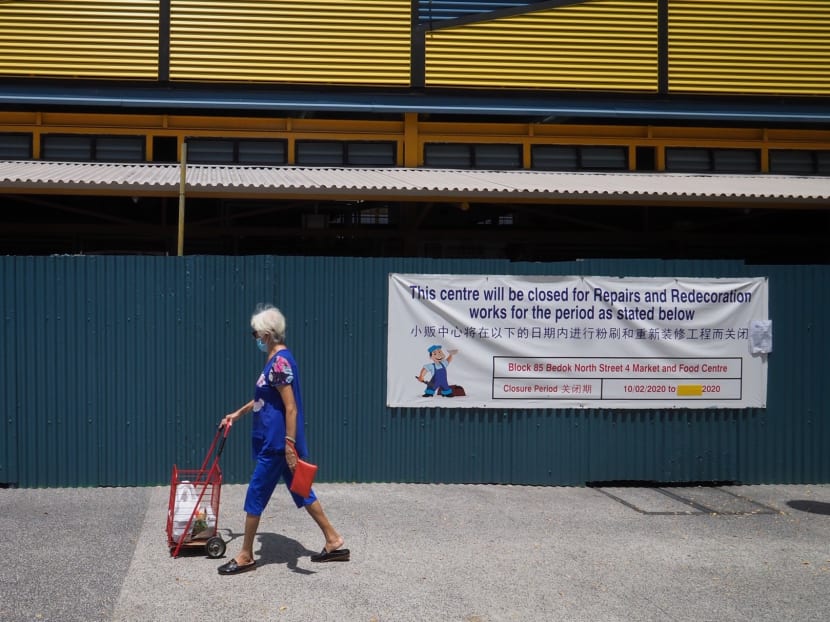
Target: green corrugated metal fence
<point x="115" y="368"/>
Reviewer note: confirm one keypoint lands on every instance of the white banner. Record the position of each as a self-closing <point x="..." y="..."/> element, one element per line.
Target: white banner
<point x="474" y="341"/>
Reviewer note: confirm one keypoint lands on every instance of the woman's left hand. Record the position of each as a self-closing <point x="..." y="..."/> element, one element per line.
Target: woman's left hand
<point x="291" y="456"/>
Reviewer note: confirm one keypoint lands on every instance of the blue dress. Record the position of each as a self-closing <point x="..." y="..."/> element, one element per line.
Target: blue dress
<point x="268" y="434"/>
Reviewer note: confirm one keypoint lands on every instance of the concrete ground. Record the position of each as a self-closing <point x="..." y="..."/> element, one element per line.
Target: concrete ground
<point x="467" y="553"/>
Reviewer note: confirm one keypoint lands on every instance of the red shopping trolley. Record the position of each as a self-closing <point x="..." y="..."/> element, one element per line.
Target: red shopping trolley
<point x="193" y="513"/>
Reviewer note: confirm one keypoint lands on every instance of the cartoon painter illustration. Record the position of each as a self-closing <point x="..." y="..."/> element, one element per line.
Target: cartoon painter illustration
<point x="437" y="370"/>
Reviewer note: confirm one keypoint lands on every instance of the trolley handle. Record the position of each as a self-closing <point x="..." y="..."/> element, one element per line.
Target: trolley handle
<point x="216" y="447"/>
<point x="222" y="441"/>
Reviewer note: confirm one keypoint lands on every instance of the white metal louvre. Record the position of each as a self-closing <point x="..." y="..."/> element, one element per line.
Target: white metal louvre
<point x="749" y="46"/>
<point x="602" y="44"/>
<point x="283" y="41"/>
<point x="80" y="38"/>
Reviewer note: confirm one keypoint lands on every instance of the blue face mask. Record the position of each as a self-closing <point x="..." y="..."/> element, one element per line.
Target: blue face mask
<point x="261" y="345"/>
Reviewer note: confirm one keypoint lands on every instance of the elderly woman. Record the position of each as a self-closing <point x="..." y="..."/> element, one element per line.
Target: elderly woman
<point x="278" y="440"/>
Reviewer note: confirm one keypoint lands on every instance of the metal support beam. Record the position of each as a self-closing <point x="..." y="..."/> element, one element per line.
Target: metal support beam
<point x="182" y="184"/>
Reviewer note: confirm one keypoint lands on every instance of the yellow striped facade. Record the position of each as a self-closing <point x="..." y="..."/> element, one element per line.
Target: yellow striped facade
<point x="599" y="45"/>
<point x="80" y="39"/>
<point x="314" y="41"/>
<point x="759" y="47"/>
<point x="749" y="46"/>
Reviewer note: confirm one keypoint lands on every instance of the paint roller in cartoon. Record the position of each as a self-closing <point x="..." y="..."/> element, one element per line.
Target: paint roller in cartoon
<point x="437" y="371"/>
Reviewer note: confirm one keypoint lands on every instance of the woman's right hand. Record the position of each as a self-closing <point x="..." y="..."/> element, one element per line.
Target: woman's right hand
<point x="228" y="419"/>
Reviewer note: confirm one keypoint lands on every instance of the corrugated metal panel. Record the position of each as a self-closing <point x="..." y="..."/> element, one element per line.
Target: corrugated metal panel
<point x="603" y="44"/>
<point x="411" y="183"/>
<point x="115" y="368"/>
<point x="80" y="38"/>
<point x="316" y="41"/>
<point x="796" y="426"/>
<point x="749" y="46"/>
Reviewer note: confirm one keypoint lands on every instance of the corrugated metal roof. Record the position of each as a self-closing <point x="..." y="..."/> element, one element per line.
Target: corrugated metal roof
<point x="406" y="183"/>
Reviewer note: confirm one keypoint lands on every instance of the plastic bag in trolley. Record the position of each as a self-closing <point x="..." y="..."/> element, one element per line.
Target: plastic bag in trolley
<point x="204" y="521"/>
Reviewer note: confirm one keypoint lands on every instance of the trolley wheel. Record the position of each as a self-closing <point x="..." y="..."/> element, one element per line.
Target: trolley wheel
<point x="215" y="547"/>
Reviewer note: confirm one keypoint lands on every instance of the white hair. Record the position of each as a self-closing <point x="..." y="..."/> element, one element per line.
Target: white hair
<point x="268" y="319"/>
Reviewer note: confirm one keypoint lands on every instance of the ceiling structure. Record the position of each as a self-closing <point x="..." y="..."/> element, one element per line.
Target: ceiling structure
<point x="62" y="207"/>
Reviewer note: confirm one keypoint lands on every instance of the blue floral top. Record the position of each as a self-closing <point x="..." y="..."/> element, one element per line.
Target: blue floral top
<point x="268" y="433"/>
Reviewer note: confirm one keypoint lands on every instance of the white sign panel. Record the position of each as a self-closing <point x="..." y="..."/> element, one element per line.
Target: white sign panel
<point x="474" y="341"/>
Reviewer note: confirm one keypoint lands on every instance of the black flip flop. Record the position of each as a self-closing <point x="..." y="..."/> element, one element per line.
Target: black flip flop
<point x="339" y="555"/>
<point x="233" y="568"/>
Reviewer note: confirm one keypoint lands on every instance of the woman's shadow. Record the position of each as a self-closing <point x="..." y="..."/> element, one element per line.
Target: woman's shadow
<point x="275" y="548"/>
<point x="814" y="507"/>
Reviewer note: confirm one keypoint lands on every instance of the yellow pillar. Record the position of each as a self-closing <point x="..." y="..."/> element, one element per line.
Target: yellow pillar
<point x="411" y="149"/>
<point x="182" y="183"/>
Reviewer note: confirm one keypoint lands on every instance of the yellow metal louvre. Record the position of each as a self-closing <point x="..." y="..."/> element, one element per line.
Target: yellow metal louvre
<point x="79" y="38"/>
<point x="604" y="44"/>
<point x="749" y="46"/>
<point x="316" y="41"/>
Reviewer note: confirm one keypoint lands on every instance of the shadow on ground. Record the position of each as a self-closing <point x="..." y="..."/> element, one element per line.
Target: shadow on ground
<point x="813" y="507"/>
